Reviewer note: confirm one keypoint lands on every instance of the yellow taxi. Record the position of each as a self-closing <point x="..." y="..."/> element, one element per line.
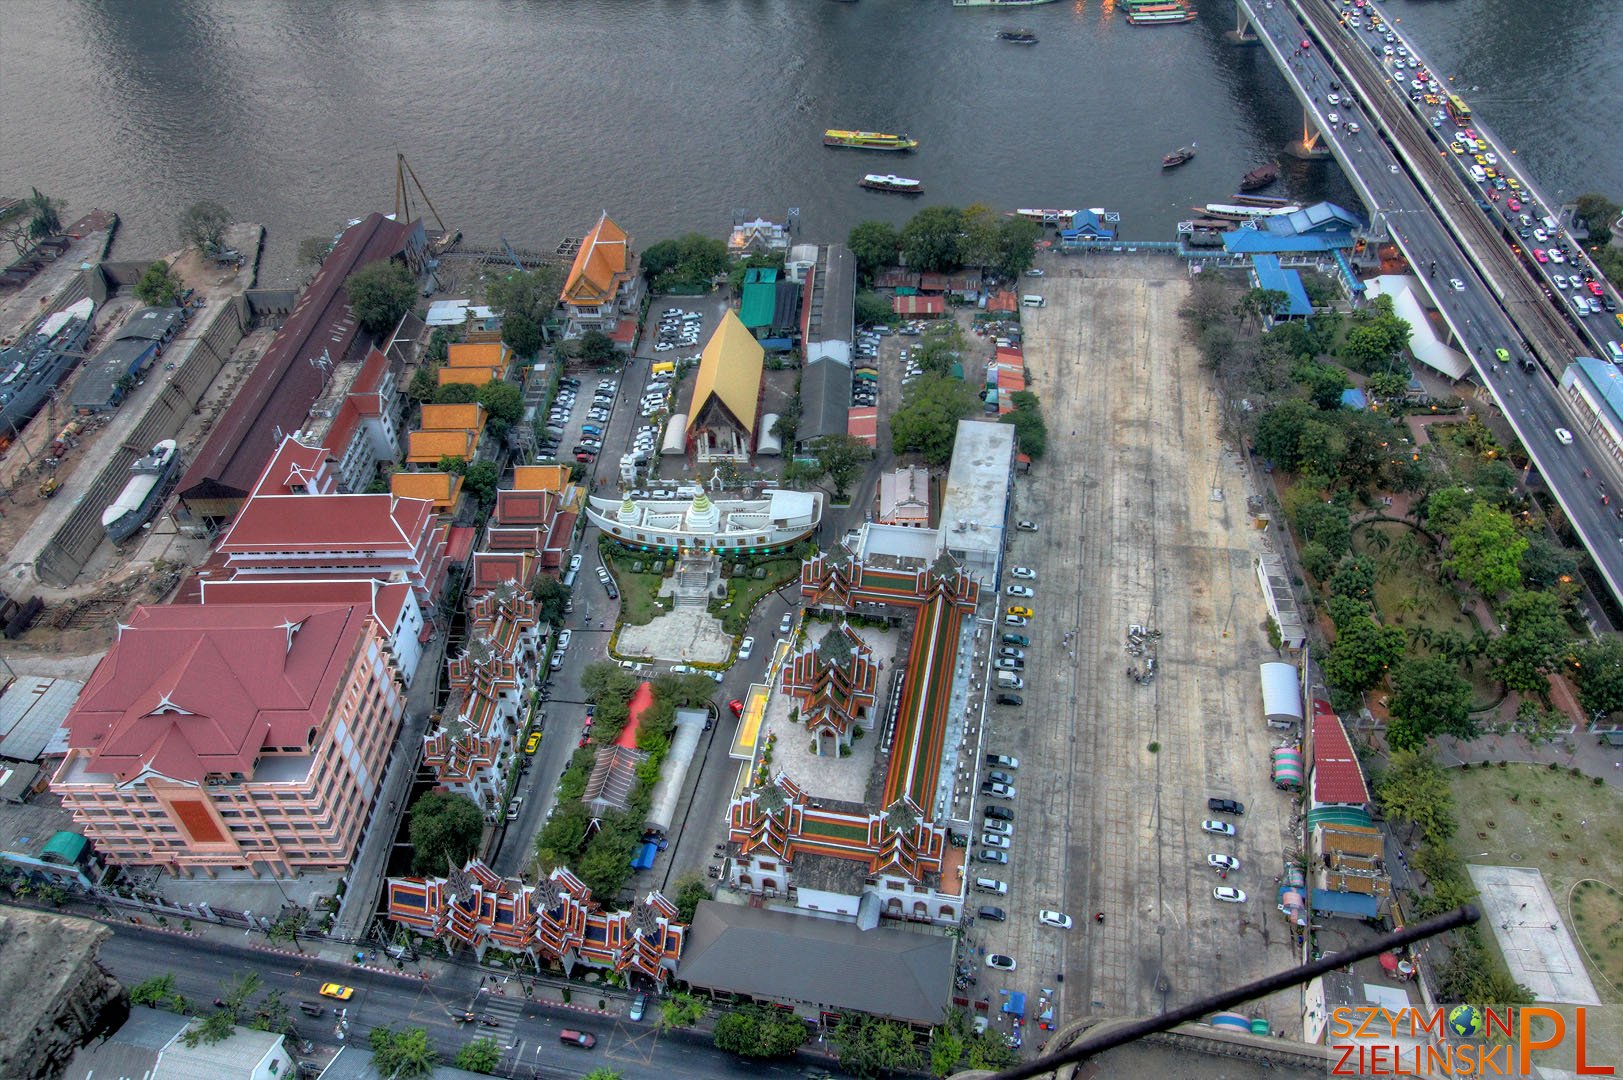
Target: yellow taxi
<point x="334" y="990"/>
<point x="1023" y="612"/>
<point x="532" y="742"/>
<point x="1515" y="184"/>
<point x="1480" y="160"/>
<point x="1457" y="148"/>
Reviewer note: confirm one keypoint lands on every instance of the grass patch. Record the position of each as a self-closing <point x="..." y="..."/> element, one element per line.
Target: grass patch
<point x="1597" y="919"/>
<point x="746" y="591"/>
<point x="639" y="593"/>
<point x="1566" y="826"/>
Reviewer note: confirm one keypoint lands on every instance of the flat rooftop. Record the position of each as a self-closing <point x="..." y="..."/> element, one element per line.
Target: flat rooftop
<point x="977" y="496"/>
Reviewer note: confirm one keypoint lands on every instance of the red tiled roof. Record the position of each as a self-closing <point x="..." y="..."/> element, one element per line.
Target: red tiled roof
<point x="1002" y="301"/>
<point x="1337" y="777"/>
<point x="460" y="546"/>
<point x="293" y="468"/>
<point x="327" y="523"/>
<point x="283" y="386"/>
<point x="191" y="691"/>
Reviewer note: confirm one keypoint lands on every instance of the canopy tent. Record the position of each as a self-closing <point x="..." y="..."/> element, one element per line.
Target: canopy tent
<point x="1016" y="1005"/>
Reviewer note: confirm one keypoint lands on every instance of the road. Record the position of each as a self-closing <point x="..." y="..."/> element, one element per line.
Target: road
<point x="528" y="1031"/>
<point x="1395" y="163"/>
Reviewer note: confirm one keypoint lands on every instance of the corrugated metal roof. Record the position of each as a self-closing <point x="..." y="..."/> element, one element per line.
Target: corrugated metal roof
<point x="33" y="711"/>
<point x="825" y="399"/>
<point x="1337" y="776"/>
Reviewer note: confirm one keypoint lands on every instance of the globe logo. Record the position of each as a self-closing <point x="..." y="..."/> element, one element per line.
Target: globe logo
<point x="1465" y="1021"/>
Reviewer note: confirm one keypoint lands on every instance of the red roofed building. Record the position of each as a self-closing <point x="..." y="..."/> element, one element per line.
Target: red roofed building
<point x="835" y="685"/>
<point x="361" y="433"/>
<point x="1337" y="776"/>
<point x="319" y="334"/>
<point x="919" y="306"/>
<point x="213" y="738"/>
<point x="604" y="286"/>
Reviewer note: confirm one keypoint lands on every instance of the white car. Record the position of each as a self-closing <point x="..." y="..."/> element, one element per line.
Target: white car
<point x="1035" y="271"/>
<point x="999" y="961"/>
<point x="786" y="622"/>
<point x="1001" y="828"/>
<point x="1229" y="894"/>
<point x="1026" y="526"/>
<point x="1025" y="573"/>
<point x="1563" y="436"/>
<point x="1353" y="128"/>
<point x="1223" y="862"/>
<point x="1456" y="284"/>
<point x="746" y="647"/>
<point x="1334" y="118"/>
<point x="998" y="791"/>
<point x="1016" y="620"/>
<point x="574" y="562"/>
<point x="1560" y="280"/>
<point x="1056" y="919"/>
<point x="995" y="841"/>
<point x="563" y="639"/>
<point x="1019" y="590"/>
<point x="1556" y="256"/>
<point x="1220" y="828"/>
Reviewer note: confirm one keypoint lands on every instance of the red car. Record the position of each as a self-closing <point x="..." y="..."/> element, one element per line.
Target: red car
<point x="1538" y="253"/>
<point x="737" y="707"/>
<point x="1514" y="203"/>
<point x="585" y="458"/>
<point x="1594" y="287"/>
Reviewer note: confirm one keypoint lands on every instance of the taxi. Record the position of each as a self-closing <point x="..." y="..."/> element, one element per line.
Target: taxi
<point x="1020" y="610"/>
<point x="532" y="742"/>
<point x="334" y="990"/>
<point x="1457" y="148"/>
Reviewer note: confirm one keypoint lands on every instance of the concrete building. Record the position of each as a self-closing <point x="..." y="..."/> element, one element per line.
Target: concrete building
<point x="758" y="237"/>
<point x="356" y="420"/>
<point x="446" y="431"/>
<point x="975" y="507"/>
<point x="151" y="1045"/>
<point x="829" y="303"/>
<point x="704" y="524"/>
<point x="904" y="498"/>
<point x="604" y="289"/>
<point x="726" y="394"/>
<point x="228" y="737"/>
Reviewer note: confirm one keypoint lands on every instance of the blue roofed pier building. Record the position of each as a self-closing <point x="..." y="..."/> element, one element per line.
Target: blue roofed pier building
<point x="1594" y="389"/>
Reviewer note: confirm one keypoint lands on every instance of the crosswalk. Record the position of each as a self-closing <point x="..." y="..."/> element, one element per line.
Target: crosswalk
<point x="499" y="1017"/>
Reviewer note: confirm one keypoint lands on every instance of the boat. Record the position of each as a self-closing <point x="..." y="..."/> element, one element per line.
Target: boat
<point x="126" y="514"/>
<point x="1156" y="18"/>
<point x="1177" y="157"/>
<point x="891" y="182"/>
<point x="39" y="361"/>
<point x="868" y="140"/>
<point x="1240" y="213"/>
<point x="999" y="3"/>
<point x="1017" y="36"/>
<point x="1257" y="200"/>
<point x="1260" y="177"/>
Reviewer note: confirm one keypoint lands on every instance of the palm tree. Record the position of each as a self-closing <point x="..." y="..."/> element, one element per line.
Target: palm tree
<point x="1421" y="637"/>
<point x="43" y="222"/>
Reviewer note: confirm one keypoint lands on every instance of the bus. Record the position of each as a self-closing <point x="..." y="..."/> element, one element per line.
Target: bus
<point x="1458" y="109"/>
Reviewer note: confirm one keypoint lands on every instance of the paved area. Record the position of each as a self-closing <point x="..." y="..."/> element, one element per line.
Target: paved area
<point x="1141" y="514"/>
<point x="1526" y="921"/>
<point x="690" y="635"/>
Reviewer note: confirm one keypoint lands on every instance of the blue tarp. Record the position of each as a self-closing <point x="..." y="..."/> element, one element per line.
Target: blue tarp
<point x="644" y="859"/>
<point x="1351" y="905"/>
<point x="1016" y="1003"/>
<point x="1353" y="398"/>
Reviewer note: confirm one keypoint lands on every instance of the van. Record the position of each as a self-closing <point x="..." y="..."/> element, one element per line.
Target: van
<point x="1579" y="307"/>
<point x="1008" y="680"/>
<point x="1478" y="175"/>
<point x="1614" y="352"/>
<point x="1032" y="300"/>
<point x="991" y="885"/>
<point x="664" y="367"/>
<point x="1552" y="225"/>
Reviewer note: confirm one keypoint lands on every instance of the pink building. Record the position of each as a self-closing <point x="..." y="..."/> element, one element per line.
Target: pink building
<point x="234" y="737"/>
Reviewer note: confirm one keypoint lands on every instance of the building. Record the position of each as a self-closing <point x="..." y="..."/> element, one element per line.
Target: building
<point x="461" y="313"/>
<point x="442" y="489"/>
<point x="1347" y="875"/>
<point x="1594" y="389"/>
<point x="446" y="431"/>
<point x="758" y="237"/>
<point x="1429" y="335"/>
<point x="726" y="394"/>
<point x="223" y="737"/>
<point x="604" y="289"/>
<point x="275" y="400"/>
<point x="836" y="684"/>
<point x="530" y="531"/>
<point x="904" y="498"/>
<point x="704" y="524"/>
<point x="33" y="716"/>
<point x="614" y="771"/>
<point x="151" y="1045"/>
<point x="1006" y="376"/>
<point x="769" y="308"/>
<point x="829" y="303"/>
<point x="553" y="923"/>
<point x="825" y="397"/>
<point x="1266" y="273"/>
<point x="124" y="358"/>
<point x="975" y="507"/>
<point x="356" y="420"/>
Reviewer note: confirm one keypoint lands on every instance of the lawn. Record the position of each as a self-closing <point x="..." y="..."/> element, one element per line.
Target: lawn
<point x="1567" y="827"/>
<point x="639" y="593"/>
<point x="746" y="591"/>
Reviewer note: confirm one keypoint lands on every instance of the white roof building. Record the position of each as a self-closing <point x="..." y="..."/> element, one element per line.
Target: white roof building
<point x="975" y="508"/>
<point x="704" y="524"/>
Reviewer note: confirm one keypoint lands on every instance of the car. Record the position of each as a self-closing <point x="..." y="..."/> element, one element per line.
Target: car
<point x="1502" y="354"/>
<point x="999" y="961"/>
<point x="998" y="791"/>
<point x="574" y="562"/>
<point x="1513" y="204"/>
<point x="1219" y="828"/>
<point x="1026" y="526"/>
<point x="1016" y="620"/>
<point x="1334" y="118"/>
<point x="1025" y="573"/>
<point x="1538" y="253"/>
<point x="786" y="622"/>
<point x="994" y="840"/>
<point x="993" y="855"/>
<point x="997" y="824"/>
<point x="1010" y="699"/>
<point x="515" y="808"/>
<point x="1003" y="761"/>
<point x="997" y="776"/>
<point x="998" y="813"/>
<point x="1016" y="639"/>
<point x="334" y="990"/>
<point x="1223" y="862"/>
<point x="1557" y="256"/>
<point x="1004" y="663"/>
<point x="1560" y="280"/>
<point x="1594" y="288"/>
<point x="1225" y="806"/>
<point x="1229" y="894"/>
<point x="639" y="1005"/>
<point x="585" y="457"/>
<point x="564" y="638"/>
<point x="1306" y="45"/>
<point x="736" y="706"/>
<point x="1456" y="284"/>
<point x="532" y="743"/>
<point x="1540" y="235"/>
<point x="1011" y="652"/>
<point x="1024" y="591"/>
<point x="583" y="1039"/>
<point x="1058" y="920"/>
<point x="608" y="587"/>
<point x="1017" y="609"/>
<point x="1563" y="436"/>
<point x="745" y="648"/>
<point x="557" y="661"/>
<point x="1353" y="128"/>
<point x="1334" y="99"/>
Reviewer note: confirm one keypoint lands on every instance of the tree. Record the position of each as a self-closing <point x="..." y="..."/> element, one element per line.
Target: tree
<point x="452" y="463"/>
<point x="1447" y="507"/>
<point x="44" y="217"/>
<point x="402" y="1055"/>
<point x="1256" y="303"/>
<point x="1316" y="560"/>
<point x="1388" y="385"/>
<point x="978" y="236"/>
<point x="1027" y="418"/>
<point x="872" y="309"/>
<point x="203" y="224"/>
<point x="503" y="402"/>
<point x="1486" y="549"/>
<point x="553" y="600"/>
<point x="947" y="1049"/>
<point x="159" y="286"/>
<point x="217" y="1026"/>
<point x="1325" y="384"/>
<point x="1414" y="789"/>
<point x="1016" y="246"/>
<point x="531" y="293"/>
<point x="596" y="347"/>
<point x="154" y="992"/>
<point x="445" y="831"/>
<point x="1545" y="564"/>
<point x="927" y="422"/>
<point x="757" y="1032"/>
<point x="1596" y="668"/>
<point x="1535" y="638"/>
<point x="482" y="1055"/>
<point x="1355" y="578"/>
<point x="455" y="393"/>
<point x="679" y="1010"/>
<point x="842" y="457"/>
<point x="313" y="250"/>
<point x="480" y="479"/>
<point x="1279" y="431"/>
<point x="522" y="334"/>
<point x="606" y="863"/>
<point x="1428" y="693"/>
<point x="874" y="243"/>
<point x="870" y="1047"/>
<point x="380" y="294"/>
<point x="1326" y="523"/>
<point x="930" y="239"/>
<point x="660" y="258"/>
<point x="1597" y="213"/>
<point x="1362" y="653"/>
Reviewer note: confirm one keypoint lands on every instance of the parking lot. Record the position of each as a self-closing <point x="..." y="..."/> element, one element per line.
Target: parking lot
<point x="1141" y="518"/>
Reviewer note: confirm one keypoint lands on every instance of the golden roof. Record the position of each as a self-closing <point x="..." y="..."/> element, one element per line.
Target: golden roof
<point x="729" y="372"/>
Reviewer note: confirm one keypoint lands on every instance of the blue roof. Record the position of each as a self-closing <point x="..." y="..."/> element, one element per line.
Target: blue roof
<point x="1250" y="241"/>
<point x="1351" y="904"/>
<point x="1087" y="223"/>
<point x="1016" y="1003"/>
<point x="1270" y="275"/>
<point x="1605" y="380"/>
<point x="1320" y="218"/>
<point x="1353" y="398"/>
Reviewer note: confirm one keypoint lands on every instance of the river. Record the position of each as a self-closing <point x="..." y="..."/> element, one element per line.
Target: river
<point x="525" y="118"/>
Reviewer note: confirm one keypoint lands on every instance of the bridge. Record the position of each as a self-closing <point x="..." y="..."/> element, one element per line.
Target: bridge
<point x="1423" y="203"/>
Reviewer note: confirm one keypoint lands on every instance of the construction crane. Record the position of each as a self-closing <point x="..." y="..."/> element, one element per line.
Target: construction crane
<point x="404" y="208"/>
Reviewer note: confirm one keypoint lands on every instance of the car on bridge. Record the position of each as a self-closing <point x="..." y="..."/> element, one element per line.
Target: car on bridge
<point x="1563" y="436"/>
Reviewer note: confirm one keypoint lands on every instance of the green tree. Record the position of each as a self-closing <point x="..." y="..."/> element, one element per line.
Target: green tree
<point x="930" y="239"/>
<point x="217" y="1026"/>
<point x="1016" y="246"/>
<point x="940" y="349"/>
<point x="596" y="347"/>
<point x="1388" y="385"/>
<point x="403" y="1055"/>
<point x="522" y="334"/>
<point x="927" y="422"/>
<point x="313" y="250"/>
<point x="1486" y="549"/>
<point x="842" y="458"/>
<point x="1545" y="564"/>
<point x="445" y="831"/>
<point x="947" y="1049"/>
<point x="553" y="598"/>
<point x="159" y="286"/>
<point x="1326" y="523"/>
<point x="379" y="294"/>
<point x="1429" y="694"/>
<point x="1362" y="653"/>
<point x="873" y="309"/>
<point x="1597" y="213"/>
<point x="1316" y="560"/>
<point x="1324" y="383"/>
<point x="605" y="865"/>
<point x="480" y="480"/>
<point x="1447" y="507"/>
<point x="531" y="293"/>
<point x="757" y="1032"/>
<point x="1596" y="668"/>
<point x="503" y="402"/>
<point x="1414" y="789"/>
<point x="978" y="235"/>
<point x="660" y="258"/>
<point x="154" y="992"/>
<point x="1279" y="431"/>
<point x="452" y="463"/>
<point x="482" y="1055"/>
<point x="203" y="224"/>
<point x="1257" y="303"/>
<point x="602" y="1072"/>
<point x="456" y="394"/>
<point x="875" y="244"/>
<point x="679" y="1010"/>
<point x="870" y="1047"/>
<point x="44" y="217"/>
<point x="1027" y="418"/>
<point x="1535" y="639"/>
<point x="1355" y="578"/>
<point x="424" y="383"/>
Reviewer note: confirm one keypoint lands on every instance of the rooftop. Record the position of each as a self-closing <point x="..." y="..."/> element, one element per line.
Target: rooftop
<point x="602" y="263"/>
<point x="33" y="710"/>
<point x="315" y="523"/>
<point x="1337" y="776"/>
<point x="835" y="317"/>
<point x="825" y="398"/>
<point x="977" y="494"/>
<point x="729" y="378"/>
<point x="1270" y="275"/>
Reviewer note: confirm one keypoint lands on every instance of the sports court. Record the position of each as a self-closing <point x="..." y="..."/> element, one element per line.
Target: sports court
<point x="1518" y="908"/>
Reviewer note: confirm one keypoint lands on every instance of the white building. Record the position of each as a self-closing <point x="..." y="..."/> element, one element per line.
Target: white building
<point x="975" y="508"/>
<point x="780" y="519"/>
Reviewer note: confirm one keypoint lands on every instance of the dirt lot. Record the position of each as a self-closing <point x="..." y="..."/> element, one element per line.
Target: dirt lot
<point x="1141" y="514"/>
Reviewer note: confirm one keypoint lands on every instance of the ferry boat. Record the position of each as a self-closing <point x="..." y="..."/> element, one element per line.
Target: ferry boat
<point x="39" y="362"/>
<point x="1156" y="18"/>
<point x="999" y="3"/>
<point x="1240" y="213"/>
<point x="148" y="474"/>
<point x="891" y="182"/>
<point x="1257" y="200"/>
<point x="1017" y="36"/>
<point x="868" y="140"/>
<point x="1260" y="177"/>
<point x="1177" y="157"/>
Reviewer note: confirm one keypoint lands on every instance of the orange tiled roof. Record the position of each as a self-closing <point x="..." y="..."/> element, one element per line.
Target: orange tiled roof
<point x="540" y="478"/>
<point x="473" y="376"/>
<point x="477" y="354"/>
<point x="468" y="417"/>
<point x="442" y="489"/>
<point x="603" y="261"/>
<point x="427" y="447"/>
